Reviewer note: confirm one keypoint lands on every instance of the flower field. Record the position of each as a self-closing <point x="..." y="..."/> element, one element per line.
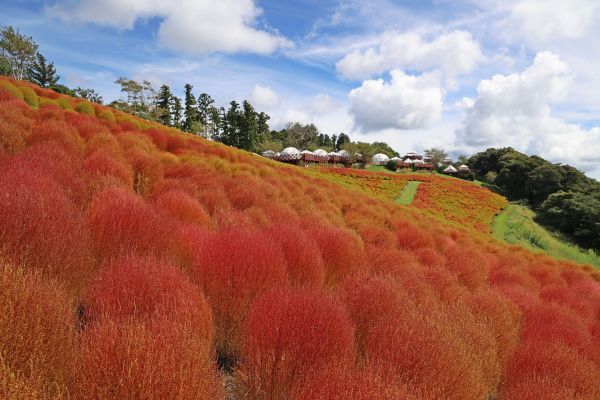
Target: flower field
<point x="452" y="201"/>
<point x="139" y="262"/>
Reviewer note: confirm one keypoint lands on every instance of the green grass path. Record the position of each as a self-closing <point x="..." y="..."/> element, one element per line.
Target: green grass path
<point x="515" y="225"/>
<point x="408" y="193"/>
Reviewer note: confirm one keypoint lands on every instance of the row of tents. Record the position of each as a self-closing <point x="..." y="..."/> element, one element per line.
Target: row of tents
<point x="410" y="160"/>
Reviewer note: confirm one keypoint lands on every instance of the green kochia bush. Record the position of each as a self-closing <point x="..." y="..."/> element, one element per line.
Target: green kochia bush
<point x="85" y="107"/>
<point x="29" y="96"/>
<point x="12" y="89"/>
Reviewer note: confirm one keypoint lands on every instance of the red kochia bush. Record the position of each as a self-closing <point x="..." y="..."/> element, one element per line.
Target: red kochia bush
<point x="37" y="335"/>
<point x="426" y="354"/>
<point x="138" y="288"/>
<point x="369" y="300"/>
<point x="343" y="252"/>
<point x="164" y="359"/>
<point x="303" y="258"/>
<point x="41" y="229"/>
<point x="233" y="267"/>
<point x="58" y="131"/>
<point x="288" y="334"/>
<point x="148" y="335"/>
<point x="550" y="370"/>
<point x="122" y="223"/>
<point x="348" y="384"/>
<point x="181" y="206"/>
<point x="101" y="164"/>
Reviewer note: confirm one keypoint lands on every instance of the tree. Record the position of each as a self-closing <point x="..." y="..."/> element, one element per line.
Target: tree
<point x="88" y="94"/>
<point x="341" y="139"/>
<point x="140" y="97"/>
<point x="62" y="89"/>
<point x="190" y="112"/>
<point x="301" y="136"/>
<point x="263" y="131"/>
<point x="436" y="155"/>
<point x="248" y="132"/>
<point x="163" y="105"/>
<point x="177" y="112"/>
<point x="214" y="122"/>
<point x="543" y="181"/>
<point x="42" y="73"/>
<point x="17" y="52"/>
<point x="204" y="104"/>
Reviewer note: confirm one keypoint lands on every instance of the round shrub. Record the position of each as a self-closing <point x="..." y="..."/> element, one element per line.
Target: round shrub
<point x="12" y="89"/>
<point x="290" y="333"/>
<point x="37" y="335"/>
<point x="233" y="267"/>
<point x="29" y="96"/>
<point x="85" y="107"/>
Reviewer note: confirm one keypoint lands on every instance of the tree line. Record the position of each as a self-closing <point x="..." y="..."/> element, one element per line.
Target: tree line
<point x="563" y="197"/>
<point x="21" y="59"/>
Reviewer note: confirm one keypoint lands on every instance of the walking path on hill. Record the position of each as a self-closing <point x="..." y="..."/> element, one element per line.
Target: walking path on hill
<point x="408" y="193"/>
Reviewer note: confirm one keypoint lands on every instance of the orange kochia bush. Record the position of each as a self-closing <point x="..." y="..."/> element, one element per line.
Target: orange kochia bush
<point x="146" y="256"/>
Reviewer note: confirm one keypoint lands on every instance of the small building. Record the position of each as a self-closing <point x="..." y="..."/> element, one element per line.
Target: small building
<point x="464" y="168"/>
<point x="447" y="161"/>
<point x="269" y="154"/>
<point x="380" y="159"/>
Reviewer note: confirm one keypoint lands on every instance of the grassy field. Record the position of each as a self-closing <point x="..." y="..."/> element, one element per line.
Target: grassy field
<point x="408" y="193"/>
<point x="516" y="225"/>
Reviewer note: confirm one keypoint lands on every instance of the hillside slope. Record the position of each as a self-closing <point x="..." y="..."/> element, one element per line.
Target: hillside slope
<point x="141" y="262"/>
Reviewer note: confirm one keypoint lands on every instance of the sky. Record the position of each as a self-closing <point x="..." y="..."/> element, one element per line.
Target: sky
<point x="463" y="75"/>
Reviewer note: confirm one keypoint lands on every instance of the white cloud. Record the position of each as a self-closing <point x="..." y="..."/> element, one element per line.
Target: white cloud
<point x="454" y="53"/>
<point x="322" y="104"/>
<point x="516" y="110"/>
<point x="544" y="20"/>
<point x="192" y="26"/>
<point x="264" y="97"/>
<point x="406" y="102"/>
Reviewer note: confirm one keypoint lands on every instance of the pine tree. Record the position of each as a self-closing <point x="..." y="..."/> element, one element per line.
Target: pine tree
<point x="248" y="136"/>
<point x="264" y="132"/>
<point x="177" y="112"/>
<point x="190" y="113"/>
<point x="204" y="104"/>
<point x="214" y="122"/>
<point x="42" y="73"/>
<point x="163" y="104"/>
<point x="231" y="135"/>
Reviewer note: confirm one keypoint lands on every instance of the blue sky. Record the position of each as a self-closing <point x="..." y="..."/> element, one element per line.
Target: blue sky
<point x="463" y="75"/>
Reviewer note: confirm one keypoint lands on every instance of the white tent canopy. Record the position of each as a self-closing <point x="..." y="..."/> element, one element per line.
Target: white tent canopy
<point x="380" y="158"/>
<point x="306" y="152"/>
<point x="450" y="169"/>
<point x="290" y="151"/>
<point x="463" y="168"/>
<point x="320" y="152"/>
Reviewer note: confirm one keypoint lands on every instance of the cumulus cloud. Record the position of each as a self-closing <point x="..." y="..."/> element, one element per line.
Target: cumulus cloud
<point x="193" y="26"/>
<point x="322" y="104"/>
<point x="454" y="53"/>
<point x="543" y="20"/>
<point x="516" y="110"/>
<point x="406" y="102"/>
<point x="264" y="97"/>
